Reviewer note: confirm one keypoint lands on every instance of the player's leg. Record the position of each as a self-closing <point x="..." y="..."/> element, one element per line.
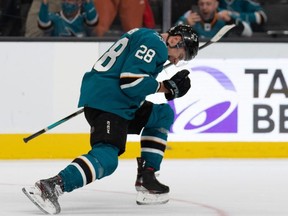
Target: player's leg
<point x="101" y="161"/>
<point x="155" y="133"/>
<point x="153" y="144"/>
<point x="107" y="141"/>
<point x="131" y="14"/>
<point x="108" y="138"/>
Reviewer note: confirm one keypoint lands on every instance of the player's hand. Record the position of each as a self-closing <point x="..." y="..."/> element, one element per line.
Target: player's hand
<point x="224" y="15"/>
<point x="178" y="85"/>
<point x="192" y="18"/>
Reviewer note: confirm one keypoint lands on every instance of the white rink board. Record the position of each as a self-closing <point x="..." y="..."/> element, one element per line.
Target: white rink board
<point x="39" y="84"/>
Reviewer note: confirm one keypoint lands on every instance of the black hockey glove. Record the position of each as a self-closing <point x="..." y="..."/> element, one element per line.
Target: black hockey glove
<point x="178" y="85"/>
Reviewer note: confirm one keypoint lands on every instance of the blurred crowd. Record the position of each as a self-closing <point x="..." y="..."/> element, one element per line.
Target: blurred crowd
<point x="84" y="18"/>
<point x="78" y="18"/>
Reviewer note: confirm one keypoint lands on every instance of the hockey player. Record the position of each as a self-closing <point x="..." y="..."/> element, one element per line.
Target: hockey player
<point x="70" y="21"/>
<point x="113" y="95"/>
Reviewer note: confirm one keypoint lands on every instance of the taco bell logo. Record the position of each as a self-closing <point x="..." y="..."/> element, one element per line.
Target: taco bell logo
<point x="210" y="106"/>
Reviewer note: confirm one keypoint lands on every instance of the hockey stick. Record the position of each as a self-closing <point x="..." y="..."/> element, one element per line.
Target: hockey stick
<point x="214" y="39"/>
<point x="218" y="35"/>
<point x="52" y="125"/>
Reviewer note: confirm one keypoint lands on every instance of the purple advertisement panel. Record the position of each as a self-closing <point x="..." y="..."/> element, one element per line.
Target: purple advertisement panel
<point x="216" y="111"/>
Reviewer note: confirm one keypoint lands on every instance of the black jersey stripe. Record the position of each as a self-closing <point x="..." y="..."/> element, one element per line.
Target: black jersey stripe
<point x="128" y="80"/>
<point x="152" y="144"/>
<point x="85" y="168"/>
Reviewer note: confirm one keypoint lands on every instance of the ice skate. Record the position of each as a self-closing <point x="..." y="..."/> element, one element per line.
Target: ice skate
<point x="45" y="194"/>
<point x="150" y="190"/>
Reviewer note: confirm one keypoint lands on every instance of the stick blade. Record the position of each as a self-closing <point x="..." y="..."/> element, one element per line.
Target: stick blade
<point x="222" y="32"/>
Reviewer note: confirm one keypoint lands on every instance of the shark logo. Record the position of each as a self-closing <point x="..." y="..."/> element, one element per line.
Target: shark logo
<point x="210" y="106"/>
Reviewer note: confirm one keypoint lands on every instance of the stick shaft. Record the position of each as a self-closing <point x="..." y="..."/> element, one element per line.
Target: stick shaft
<point x="32" y="136"/>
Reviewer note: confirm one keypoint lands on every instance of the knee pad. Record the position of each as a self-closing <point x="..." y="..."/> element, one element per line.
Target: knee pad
<point x="162" y="116"/>
<point x="107" y="156"/>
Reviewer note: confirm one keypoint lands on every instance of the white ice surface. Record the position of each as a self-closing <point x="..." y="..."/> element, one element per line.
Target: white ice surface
<point x="198" y="188"/>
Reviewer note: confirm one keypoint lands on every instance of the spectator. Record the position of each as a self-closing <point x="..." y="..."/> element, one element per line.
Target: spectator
<point x="248" y="11"/>
<point x="31" y="26"/>
<point x="107" y="11"/>
<point x="70" y="21"/>
<point x="130" y="13"/>
<point x="206" y="20"/>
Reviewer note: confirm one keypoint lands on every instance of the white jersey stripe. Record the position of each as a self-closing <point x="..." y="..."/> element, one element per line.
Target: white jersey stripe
<point x="133" y="75"/>
<point x="91" y="167"/>
<point x="129" y="85"/>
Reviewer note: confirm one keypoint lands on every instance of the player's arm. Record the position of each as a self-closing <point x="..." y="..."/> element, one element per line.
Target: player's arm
<point x="144" y="62"/>
<point x="189" y="18"/>
<point x="254" y="14"/>
<point x="44" y="20"/>
<point x="162" y="88"/>
<point x="138" y="84"/>
<point x="144" y="65"/>
<point x="90" y="13"/>
<point x="175" y="87"/>
<point x="142" y="85"/>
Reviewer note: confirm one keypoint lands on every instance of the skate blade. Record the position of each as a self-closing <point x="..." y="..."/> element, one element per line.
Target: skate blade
<point x="146" y="198"/>
<point x="34" y="194"/>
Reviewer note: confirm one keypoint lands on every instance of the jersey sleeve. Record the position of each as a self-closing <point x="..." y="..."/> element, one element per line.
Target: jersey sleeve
<point x="44" y="20"/>
<point x="90" y="14"/>
<point x="142" y="65"/>
<point x="248" y="11"/>
<point x="254" y="13"/>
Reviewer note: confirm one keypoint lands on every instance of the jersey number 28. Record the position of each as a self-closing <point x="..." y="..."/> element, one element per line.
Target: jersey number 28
<point x="108" y="59"/>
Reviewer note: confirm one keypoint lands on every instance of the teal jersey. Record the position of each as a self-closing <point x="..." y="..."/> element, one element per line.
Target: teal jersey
<point x="242" y="9"/>
<point x="57" y="24"/>
<point x="208" y="30"/>
<point x="125" y="74"/>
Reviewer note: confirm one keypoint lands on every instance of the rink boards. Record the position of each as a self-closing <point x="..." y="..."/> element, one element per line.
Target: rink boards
<point x="236" y="107"/>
